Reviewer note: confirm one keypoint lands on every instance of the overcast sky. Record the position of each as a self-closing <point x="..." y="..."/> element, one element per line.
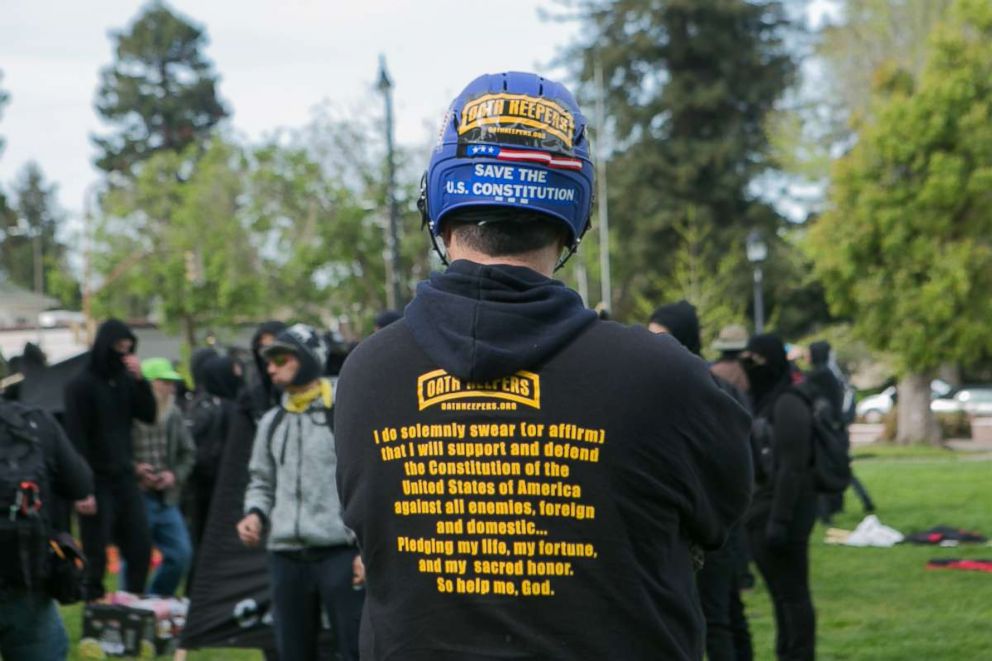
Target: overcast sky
<point x="277" y="59"/>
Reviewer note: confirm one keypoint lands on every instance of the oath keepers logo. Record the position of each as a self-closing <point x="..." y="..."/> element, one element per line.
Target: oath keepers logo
<point x="438" y="388"/>
<point x="518" y="115"/>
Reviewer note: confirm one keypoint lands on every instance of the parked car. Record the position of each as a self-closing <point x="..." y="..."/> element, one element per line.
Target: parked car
<point x="875" y="407"/>
<point x="970" y="400"/>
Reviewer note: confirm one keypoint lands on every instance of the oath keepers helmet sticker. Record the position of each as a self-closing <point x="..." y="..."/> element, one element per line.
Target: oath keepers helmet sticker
<point x="518" y="119"/>
<point x="438" y="388"/>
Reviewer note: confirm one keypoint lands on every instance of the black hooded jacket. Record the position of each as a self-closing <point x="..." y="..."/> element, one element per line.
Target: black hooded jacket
<point x="786" y="497"/>
<point x="211" y="415"/>
<point x="102" y="401"/>
<point x="526" y="481"/>
<point x="261" y="395"/>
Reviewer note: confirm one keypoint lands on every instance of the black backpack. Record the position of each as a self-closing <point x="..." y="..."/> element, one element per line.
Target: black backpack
<point x="831" y="463"/>
<point x="23" y="492"/>
<point x="831" y="460"/>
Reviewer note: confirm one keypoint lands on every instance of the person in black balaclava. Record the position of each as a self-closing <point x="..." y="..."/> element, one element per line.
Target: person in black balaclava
<point x="827" y="379"/>
<point x="681" y="321"/>
<point x="784" y="508"/>
<point x="261" y="395"/>
<point x="220" y="556"/>
<point x="727" y="635"/>
<point x="101" y="403"/>
<point x="211" y="418"/>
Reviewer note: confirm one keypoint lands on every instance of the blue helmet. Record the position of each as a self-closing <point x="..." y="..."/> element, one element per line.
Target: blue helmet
<point x="512" y="140"/>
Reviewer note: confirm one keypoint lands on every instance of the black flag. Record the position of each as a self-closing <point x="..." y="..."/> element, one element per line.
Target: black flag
<point x="230" y="605"/>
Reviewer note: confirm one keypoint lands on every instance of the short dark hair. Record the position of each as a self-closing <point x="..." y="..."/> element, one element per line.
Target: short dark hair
<point x="495" y="231"/>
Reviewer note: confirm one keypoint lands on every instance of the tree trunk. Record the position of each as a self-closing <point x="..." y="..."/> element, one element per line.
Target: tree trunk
<point x="189" y="330"/>
<point x="916" y="424"/>
<point x="951" y="373"/>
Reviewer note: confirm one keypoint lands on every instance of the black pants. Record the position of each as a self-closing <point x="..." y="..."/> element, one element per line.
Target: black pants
<point x="727" y="635"/>
<point x="120" y="518"/>
<point x="302" y="582"/>
<point x="785" y="569"/>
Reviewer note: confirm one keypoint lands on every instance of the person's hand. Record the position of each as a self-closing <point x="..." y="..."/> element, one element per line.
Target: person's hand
<point x="165" y="480"/>
<point x="86" y="506"/>
<point x="250" y="530"/>
<point x="146" y="476"/>
<point x="357" y="572"/>
<point x="132" y="364"/>
<point x="776" y="534"/>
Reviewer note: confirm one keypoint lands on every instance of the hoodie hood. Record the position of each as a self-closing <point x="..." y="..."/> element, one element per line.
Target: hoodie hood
<point x="682" y="323"/>
<point x="819" y="353"/>
<point x="197" y="362"/>
<point x="219" y="378"/>
<point x="482" y="322"/>
<point x="770" y="378"/>
<point x="104" y="359"/>
<point x="272" y="328"/>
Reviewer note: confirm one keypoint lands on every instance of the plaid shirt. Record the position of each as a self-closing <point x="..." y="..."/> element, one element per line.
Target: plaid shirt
<point x="151" y="443"/>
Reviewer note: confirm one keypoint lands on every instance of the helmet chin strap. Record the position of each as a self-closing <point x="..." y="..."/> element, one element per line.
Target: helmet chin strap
<point x="572" y="249"/>
<point x="442" y="255"/>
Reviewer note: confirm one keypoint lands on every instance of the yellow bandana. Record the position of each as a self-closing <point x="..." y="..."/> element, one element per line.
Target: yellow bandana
<point x="298" y="402"/>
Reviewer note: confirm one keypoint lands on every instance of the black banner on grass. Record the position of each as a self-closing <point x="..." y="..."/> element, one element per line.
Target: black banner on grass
<point x="230" y="605"/>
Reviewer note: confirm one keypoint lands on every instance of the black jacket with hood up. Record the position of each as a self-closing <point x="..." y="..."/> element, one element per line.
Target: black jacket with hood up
<point x="102" y="401"/>
<point x="549" y="477"/>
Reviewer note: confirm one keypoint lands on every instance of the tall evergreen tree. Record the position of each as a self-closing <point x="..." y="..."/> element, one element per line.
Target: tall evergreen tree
<point x="904" y="245"/>
<point x="8" y="219"/>
<point x="159" y="94"/>
<point x="43" y="220"/>
<point x="688" y="86"/>
<point x="4" y="98"/>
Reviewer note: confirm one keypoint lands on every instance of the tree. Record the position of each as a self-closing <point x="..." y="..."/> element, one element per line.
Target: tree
<point x="36" y="257"/>
<point x="904" y="245"/>
<point x="199" y="261"/>
<point x="874" y="35"/>
<point x="159" y="94"/>
<point x="4" y="99"/>
<point x="688" y="85"/>
<point x="350" y="154"/>
<point x="8" y="219"/>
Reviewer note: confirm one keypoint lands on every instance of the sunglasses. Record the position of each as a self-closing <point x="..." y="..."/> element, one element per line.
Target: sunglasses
<point x="279" y="359"/>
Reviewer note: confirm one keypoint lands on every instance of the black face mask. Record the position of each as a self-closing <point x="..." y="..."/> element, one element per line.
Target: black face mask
<point x="761" y="377"/>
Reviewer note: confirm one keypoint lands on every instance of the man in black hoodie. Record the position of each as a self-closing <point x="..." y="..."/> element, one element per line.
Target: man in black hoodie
<point x="727" y="635"/>
<point x="826" y="379"/>
<point x="211" y="416"/>
<point x="101" y="403"/>
<point x="526" y="481"/>
<point x="784" y="510"/>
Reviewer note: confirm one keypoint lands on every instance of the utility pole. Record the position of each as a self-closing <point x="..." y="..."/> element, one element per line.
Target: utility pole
<point x="606" y="292"/>
<point x="394" y="294"/>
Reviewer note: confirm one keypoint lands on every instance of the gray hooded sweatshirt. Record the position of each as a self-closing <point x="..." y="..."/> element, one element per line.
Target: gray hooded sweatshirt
<point x="292" y="479"/>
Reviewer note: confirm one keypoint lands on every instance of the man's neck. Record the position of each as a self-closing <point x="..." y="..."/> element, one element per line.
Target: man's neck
<point x="293" y="390"/>
<point x="542" y="261"/>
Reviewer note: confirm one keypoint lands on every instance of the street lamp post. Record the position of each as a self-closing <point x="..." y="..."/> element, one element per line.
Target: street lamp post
<point x="757" y="252"/>
<point x="394" y="296"/>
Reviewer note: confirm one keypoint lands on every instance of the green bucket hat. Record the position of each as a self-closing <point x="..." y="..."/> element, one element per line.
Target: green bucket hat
<point x="159" y="369"/>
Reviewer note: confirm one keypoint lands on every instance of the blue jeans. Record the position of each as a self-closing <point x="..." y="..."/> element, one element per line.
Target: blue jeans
<point x="169" y="535"/>
<point x="31" y="628"/>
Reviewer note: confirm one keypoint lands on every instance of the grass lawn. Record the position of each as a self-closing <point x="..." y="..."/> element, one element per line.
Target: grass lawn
<point x="883" y="603"/>
<point x="873" y="604"/>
